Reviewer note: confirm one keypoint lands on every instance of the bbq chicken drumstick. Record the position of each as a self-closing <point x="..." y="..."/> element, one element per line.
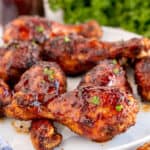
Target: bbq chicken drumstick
<point x="41" y="29"/>
<point x="43" y="81"/>
<point x="107" y="73"/>
<point x="98" y="113"/>
<point x="76" y="54"/>
<point x="16" y="58"/>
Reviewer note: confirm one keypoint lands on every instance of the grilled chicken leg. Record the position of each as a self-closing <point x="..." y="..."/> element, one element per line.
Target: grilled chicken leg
<point x="98" y="113"/>
<point x="43" y="81"/>
<point x="76" y="54"/>
<point x="16" y="58"/>
<point x="107" y="73"/>
<point x="40" y="29"/>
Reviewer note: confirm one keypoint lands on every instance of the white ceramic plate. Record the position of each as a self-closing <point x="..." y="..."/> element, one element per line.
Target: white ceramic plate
<point x="129" y="140"/>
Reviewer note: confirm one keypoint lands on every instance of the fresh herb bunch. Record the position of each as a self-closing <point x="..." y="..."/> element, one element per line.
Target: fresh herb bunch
<point x="133" y="15"/>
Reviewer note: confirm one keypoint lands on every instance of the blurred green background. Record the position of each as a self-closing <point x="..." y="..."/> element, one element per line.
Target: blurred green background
<point x="132" y="15"/>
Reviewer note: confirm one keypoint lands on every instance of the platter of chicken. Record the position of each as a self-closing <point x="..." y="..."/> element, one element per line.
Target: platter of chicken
<point x="68" y="87"/>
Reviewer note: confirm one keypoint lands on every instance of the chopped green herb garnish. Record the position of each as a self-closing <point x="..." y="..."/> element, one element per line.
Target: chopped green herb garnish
<point x="66" y="39"/>
<point x="42" y="81"/>
<point x="49" y="72"/>
<point x="116" y="71"/>
<point x="119" y="107"/>
<point x="39" y="29"/>
<point x="95" y="100"/>
<point x="114" y="61"/>
<point x="33" y="42"/>
<point x="16" y="45"/>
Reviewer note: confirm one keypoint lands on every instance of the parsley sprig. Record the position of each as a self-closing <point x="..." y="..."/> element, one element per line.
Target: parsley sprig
<point x="50" y="73"/>
<point x="116" y="71"/>
<point x="66" y="39"/>
<point x="119" y="107"/>
<point x="39" y="29"/>
<point x="114" y="61"/>
<point x="95" y="100"/>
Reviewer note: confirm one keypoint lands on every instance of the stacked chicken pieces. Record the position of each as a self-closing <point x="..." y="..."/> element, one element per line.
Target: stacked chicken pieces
<point x="34" y="61"/>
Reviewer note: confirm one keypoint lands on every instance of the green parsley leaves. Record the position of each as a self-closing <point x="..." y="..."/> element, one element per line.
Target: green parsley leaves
<point x="116" y="71"/>
<point x="39" y="29"/>
<point x="66" y="39"/>
<point x="119" y="107"/>
<point x="114" y="61"/>
<point x="50" y="73"/>
<point x="95" y="100"/>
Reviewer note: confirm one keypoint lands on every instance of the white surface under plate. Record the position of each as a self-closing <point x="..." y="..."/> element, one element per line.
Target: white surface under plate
<point x="134" y="136"/>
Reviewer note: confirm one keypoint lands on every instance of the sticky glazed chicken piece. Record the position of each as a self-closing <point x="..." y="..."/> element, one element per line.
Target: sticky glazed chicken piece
<point x="5" y="96"/>
<point x="76" y="54"/>
<point x="18" y="57"/>
<point x="142" y="75"/>
<point x="42" y="82"/>
<point x="134" y="48"/>
<point x="40" y="29"/>
<point x="43" y="135"/>
<point x="146" y="146"/>
<point x="107" y="73"/>
<point x="98" y="113"/>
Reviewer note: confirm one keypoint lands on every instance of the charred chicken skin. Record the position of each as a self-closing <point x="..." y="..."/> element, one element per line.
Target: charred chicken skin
<point x="76" y="54"/>
<point x="40" y="29"/>
<point x="5" y="96"/>
<point x="18" y="57"/>
<point x="43" y="81"/>
<point x="98" y="113"/>
<point x="107" y="73"/>
<point x="43" y="135"/>
<point x="142" y="75"/>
